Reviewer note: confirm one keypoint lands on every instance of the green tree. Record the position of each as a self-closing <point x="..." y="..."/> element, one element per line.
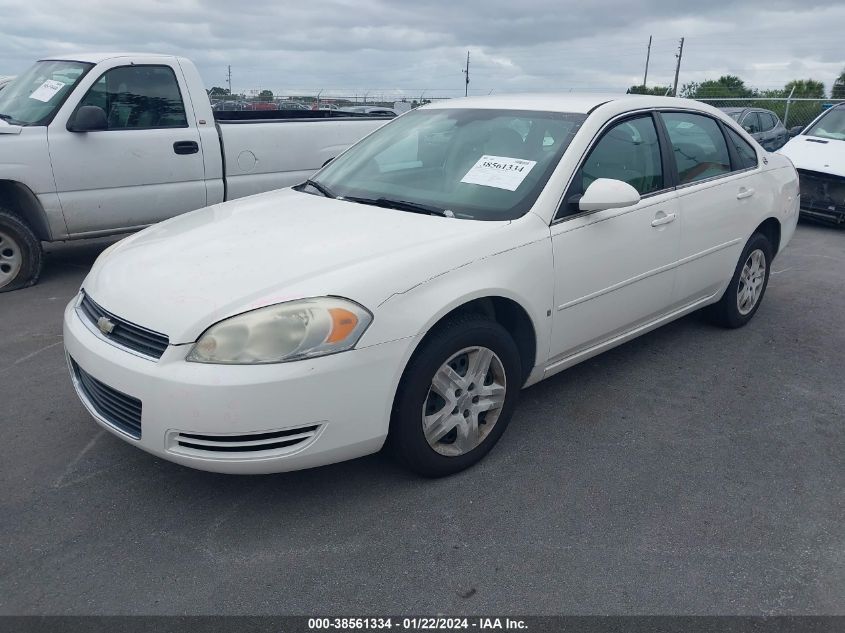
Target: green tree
<point x="726" y="86"/>
<point x="805" y="89"/>
<point x="266" y="95"/>
<point x="654" y="90"/>
<point x="217" y="91"/>
<point x="838" y="90"/>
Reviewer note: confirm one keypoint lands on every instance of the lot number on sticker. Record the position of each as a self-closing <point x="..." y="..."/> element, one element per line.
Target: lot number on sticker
<point x="499" y="171"/>
<point x="47" y="90"/>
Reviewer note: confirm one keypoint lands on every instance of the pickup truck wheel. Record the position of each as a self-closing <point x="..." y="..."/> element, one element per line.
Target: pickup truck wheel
<point x="20" y="253"/>
<point x="747" y="287"/>
<point x="456" y="397"/>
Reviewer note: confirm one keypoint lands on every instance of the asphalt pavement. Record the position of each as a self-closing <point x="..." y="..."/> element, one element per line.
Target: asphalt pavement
<point x="693" y="470"/>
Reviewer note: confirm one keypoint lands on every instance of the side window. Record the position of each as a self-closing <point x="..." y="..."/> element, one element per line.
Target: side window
<point x="629" y="152"/>
<point x="747" y="155"/>
<point x="751" y="123"/>
<point x="698" y="146"/>
<point x="137" y="97"/>
<point x="766" y="121"/>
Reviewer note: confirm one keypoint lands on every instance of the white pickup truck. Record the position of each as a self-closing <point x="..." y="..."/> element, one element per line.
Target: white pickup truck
<point x="97" y="144"/>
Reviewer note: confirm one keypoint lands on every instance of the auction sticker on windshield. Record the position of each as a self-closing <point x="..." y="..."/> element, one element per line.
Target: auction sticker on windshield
<point x="47" y="90"/>
<point x="499" y="171"/>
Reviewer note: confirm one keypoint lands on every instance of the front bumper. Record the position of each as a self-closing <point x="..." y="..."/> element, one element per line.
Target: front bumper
<point x="822" y="196"/>
<point x="335" y="407"/>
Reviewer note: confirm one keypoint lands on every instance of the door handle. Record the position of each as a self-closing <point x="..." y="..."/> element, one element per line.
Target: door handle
<point x="186" y="147"/>
<point x="744" y="193"/>
<point x="663" y="218"/>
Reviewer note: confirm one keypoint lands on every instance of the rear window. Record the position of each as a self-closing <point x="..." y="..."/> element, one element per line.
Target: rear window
<point x="698" y="146"/>
<point x="745" y="153"/>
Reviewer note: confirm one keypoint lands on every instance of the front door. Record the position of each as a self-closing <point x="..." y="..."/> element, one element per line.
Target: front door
<point x="615" y="269"/>
<point x="147" y="166"/>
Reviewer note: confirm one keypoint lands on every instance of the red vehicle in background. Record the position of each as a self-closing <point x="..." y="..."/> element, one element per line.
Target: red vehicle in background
<point x="261" y="105"/>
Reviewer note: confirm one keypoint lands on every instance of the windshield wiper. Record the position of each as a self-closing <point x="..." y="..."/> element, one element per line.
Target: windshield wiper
<point x="321" y="188"/>
<point x="402" y="205"/>
<point x="6" y="117"/>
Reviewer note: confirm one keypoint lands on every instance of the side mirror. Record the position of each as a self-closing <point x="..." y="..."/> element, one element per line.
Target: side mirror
<point x="606" y="193"/>
<point x="89" y="118"/>
<point x="795" y="131"/>
<point x="748" y="128"/>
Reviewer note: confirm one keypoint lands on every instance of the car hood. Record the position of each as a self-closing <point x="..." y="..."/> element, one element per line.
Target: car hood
<point x="185" y="274"/>
<point x="816" y="154"/>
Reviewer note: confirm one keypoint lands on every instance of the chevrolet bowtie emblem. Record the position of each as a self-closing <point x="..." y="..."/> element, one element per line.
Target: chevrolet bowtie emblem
<point x="105" y="324"/>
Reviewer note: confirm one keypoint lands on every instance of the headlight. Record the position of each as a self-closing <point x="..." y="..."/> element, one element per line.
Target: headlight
<point x="283" y="332"/>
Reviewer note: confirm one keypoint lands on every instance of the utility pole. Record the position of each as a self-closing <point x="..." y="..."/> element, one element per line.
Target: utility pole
<point x="229" y="79"/>
<point x="647" y="57"/>
<point x="466" y="73"/>
<point x="678" y="68"/>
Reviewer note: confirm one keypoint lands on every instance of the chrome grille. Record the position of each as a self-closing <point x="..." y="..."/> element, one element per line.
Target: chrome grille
<point x="252" y="443"/>
<point x="115" y="407"/>
<point x="124" y="333"/>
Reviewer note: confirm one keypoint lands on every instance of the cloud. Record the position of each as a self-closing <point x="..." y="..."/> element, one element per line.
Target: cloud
<point x="376" y="46"/>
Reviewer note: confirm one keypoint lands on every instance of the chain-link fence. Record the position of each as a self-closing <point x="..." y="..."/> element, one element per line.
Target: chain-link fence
<point x="793" y="112"/>
<point x="265" y="100"/>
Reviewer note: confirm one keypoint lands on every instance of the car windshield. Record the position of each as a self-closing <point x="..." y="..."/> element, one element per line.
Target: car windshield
<point x="467" y="163"/>
<point x="33" y="98"/>
<point x="831" y="125"/>
<point x="734" y="115"/>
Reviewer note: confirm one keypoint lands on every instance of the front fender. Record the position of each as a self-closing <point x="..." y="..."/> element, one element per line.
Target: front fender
<point x="524" y="274"/>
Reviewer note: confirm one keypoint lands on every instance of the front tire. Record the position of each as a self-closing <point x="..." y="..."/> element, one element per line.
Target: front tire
<point x="745" y="291"/>
<point x="456" y="397"/>
<point x="20" y="253"/>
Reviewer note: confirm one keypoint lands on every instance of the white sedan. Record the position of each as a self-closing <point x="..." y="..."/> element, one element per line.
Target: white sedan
<point x="409" y="291"/>
<point x="818" y="154"/>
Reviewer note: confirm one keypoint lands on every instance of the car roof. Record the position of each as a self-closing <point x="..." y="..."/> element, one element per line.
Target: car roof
<point x="579" y="103"/>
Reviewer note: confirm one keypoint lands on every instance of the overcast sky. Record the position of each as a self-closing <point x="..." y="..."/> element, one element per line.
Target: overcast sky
<point x="410" y="47"/>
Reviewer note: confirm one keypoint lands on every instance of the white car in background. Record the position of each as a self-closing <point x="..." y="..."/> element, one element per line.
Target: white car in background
<point x="413" y="286"/>
<point x="819" y="155"/>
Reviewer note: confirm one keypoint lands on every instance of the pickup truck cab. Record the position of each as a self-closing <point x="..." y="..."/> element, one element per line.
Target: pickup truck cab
<point x="96" y="144"/>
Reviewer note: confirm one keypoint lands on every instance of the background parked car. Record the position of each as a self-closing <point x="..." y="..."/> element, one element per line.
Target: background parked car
<point x="763" y="125"/>
<point x="228" y="106"/>
<point x="260" y="105"/>
<point x="292" y="105"/>
<point x="375" y="110"/>
<point x="818" y="154"/>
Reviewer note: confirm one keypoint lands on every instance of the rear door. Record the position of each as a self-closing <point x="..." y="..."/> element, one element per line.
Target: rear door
<point x="716" y="193"/>
<point x="147" y="166"/>
<point x="768" y="134"/>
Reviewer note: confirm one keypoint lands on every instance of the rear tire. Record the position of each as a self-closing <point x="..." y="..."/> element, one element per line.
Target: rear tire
<point x="456" y="396"/>
<point x="745" y="291"/>
<point x="20" y="253"/>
